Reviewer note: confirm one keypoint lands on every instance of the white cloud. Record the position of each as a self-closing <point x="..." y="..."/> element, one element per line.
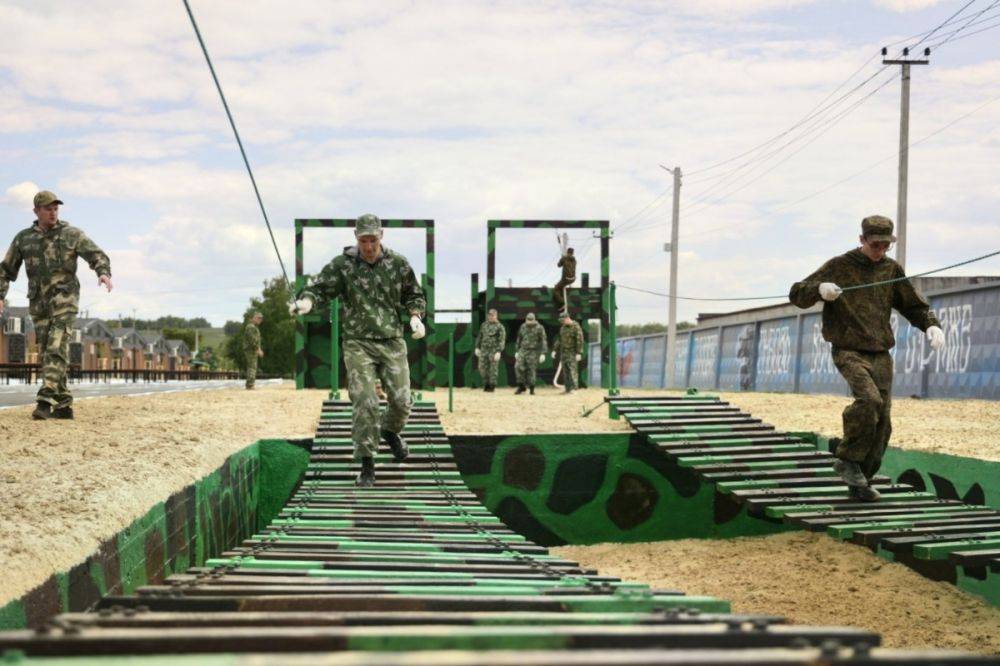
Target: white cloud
<point x="907" y="5"/>
<point x="21" y="196"/>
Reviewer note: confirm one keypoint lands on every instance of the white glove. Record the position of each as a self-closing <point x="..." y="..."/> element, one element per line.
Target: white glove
<point x="517" y="356"/>
<point x="418" y="327"/>
<point x="476" y="353"/>
<point x="936" y="336"/>
<point x="578" y="357"/>
<point x="496" y="356"/>
<point x="541" y="358"/>
<point x="302" y="306"/>
<point x="828" y="291"/>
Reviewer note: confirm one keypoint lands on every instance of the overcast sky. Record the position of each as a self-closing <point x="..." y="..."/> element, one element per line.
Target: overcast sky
<point x="467" y="111"/>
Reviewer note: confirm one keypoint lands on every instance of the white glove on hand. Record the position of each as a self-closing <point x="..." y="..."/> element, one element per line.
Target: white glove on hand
<point x="517" y="356"/>
<point x="578" y="357"/>
<point x="829" y="291"/>
<point x="936" y="336"/>
<point x="541" y="358"/>
<point x="476" y="353"/>
<point x="302" y="306"/>
<point x="418" y="327"/>
<point x="496" y="356"/>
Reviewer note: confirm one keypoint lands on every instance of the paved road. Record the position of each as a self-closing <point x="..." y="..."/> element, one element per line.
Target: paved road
<point x="16" y="395"/>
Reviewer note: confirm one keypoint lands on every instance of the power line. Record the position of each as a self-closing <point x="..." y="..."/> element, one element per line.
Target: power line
<point x="944" y="23"/>
<point x="848" y="288"/>
<point x="968" y="34"/>
<point x="239" y="142"/>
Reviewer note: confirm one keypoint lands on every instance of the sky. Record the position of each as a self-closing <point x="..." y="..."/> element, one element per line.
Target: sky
<point x="467" y="111"/>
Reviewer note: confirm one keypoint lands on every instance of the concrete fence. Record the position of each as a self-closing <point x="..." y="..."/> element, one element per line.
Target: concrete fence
<point x="782" y="349"/>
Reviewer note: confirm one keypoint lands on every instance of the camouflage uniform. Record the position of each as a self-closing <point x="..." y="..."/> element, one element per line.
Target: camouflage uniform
<point x="372" y="295"/>
<point x="857" y="325"/>
<point x="531" y="344"/>
<point x="569" y="343"/>
<point x="568" y="264"/>
<point x="491" y="339"/>
<point x="50" y="258"/>
<point x="251" y="346"/>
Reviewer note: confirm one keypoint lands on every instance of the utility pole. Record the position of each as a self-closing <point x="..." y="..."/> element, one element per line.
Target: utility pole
<point x="672" y="248"/>
<point x="904" y="147"/>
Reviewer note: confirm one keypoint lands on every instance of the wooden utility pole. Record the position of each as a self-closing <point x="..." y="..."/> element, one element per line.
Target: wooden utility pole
<point x="672" y="248"/>
<point x="904" y="148"/>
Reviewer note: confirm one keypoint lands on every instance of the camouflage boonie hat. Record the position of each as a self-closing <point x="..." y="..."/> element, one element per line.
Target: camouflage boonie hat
<point x="255" y="313"/>
<point x="876" y="228"/>
<point x="530" y="317"/>
<point x="44" y="198"/>
<point x="367" y="225"/>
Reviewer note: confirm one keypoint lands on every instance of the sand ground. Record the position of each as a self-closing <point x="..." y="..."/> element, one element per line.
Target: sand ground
<point x="65" y="486"/>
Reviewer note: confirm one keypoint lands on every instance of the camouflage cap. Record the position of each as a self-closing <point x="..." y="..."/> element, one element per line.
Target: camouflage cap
<point x="876" y="228"/>
<point x="367" y="225"/>
<point x="530" y="317"/>
<point x="256" y="313"/>
<point x="44" y="198"/>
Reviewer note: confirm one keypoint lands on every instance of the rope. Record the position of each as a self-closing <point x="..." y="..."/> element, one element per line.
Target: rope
<point x="851" y="288"/>
<point x="239" y="142"/>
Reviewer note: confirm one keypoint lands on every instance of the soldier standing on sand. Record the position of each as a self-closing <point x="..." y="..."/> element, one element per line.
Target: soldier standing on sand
<point x="568" y="350"/>
<point x="251" y="346"/>
<point x="49" y="249"/>
<point x="373" y="283"/>
<point x="489" y="345"/>
<point x="856" y="324"/>
<point x="531" y="345"/>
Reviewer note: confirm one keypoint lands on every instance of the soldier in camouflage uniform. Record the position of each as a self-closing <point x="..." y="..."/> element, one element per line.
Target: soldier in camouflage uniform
<point x="531" y="346"/>
<point x="568" y="350"/>
<point x="373" y="284"/>
<point x="856" y="324"/>
<point x="251" y="346"/>
<point x="489" y="345"/>
<point x="568" y="264"/>
<point x="49" y="249"/>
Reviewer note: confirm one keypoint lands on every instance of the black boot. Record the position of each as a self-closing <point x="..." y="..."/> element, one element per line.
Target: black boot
<point x="396" y="444"/>
<point x="520" y="389"/>
<point x="63" y="412"/>
<point x="366" y="479"/>
<point x="531" y="389"/>
<point x="43" y="411"/>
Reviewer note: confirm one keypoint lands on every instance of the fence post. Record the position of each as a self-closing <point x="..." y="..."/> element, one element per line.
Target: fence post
<point x="798" y="352"/>
<point x="718" y="360"/>
<point x="451" y="370"/>
<point x="335" y="349"/>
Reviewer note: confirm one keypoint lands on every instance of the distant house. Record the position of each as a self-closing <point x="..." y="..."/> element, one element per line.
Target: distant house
<point x="179" y="355"/>
<point x="155" y="350"/>
<point x="91" y="345"/>
<point x="17" y="336"/>
<point x="127" y="351"/>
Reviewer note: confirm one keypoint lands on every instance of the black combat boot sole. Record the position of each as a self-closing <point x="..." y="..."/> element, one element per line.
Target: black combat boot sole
<point x="65" y="413"/>
<point x="364" y="480"/>
<point x="42" y="414"/>
<point x="399" y="448"/>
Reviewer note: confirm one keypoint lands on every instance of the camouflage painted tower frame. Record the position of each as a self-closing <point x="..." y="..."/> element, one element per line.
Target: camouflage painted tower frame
<point x="584" y="302"/>
<point x="313" y="331"/>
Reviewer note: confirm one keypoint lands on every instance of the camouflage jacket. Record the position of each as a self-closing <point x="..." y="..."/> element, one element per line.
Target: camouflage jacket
<point x="492" y="337"/>
<point x="531" y="338"/>
<point x="859" y="320"/>
<point x="49" y="259"/>
<point x="251" y="338"/>
<point x="568" y="264"/>
<point x="372" y="294"/>
<point x="569" y="340"/>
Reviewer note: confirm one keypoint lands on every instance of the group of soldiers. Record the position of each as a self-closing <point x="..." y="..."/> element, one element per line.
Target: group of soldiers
<point x="530" y="349"/>
<point x="374" y="283"/>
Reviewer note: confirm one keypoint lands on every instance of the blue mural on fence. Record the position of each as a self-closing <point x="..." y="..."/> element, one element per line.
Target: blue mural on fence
<point x="790" y="354"/>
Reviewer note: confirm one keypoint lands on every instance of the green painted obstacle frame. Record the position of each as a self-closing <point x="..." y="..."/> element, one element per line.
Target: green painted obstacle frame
<point x="313" y="338"/>
<point x="191" y="526"/>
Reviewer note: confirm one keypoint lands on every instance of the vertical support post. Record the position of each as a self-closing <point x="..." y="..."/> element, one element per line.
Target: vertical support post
<point x="431" y="342"/>
<point x="612" y="382"/>
<point x="425" y="344"/>
<point x="300" y="325"/>
<point x="904" y="165"/>
<point x="609" y="366"/>
<point x="491" y="265"/>
<point x="718" y="361"/>
<point x="451" y="370"/>
<point x="672" y="308"/>
<point x="335" y="349"/>
<point x="798" y="353"/>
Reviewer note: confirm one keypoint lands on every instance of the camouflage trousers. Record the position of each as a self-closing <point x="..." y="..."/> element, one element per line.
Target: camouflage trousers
<point x="488" y="367"/>
<point x="867" y="424"/>
<point x="570" y="371"/>
<point x="558" y="290"/>
<point x="251" y="370"/>
<point x="366" y="361"/>
<point x="526" y="367"/>
<point x="52" y="334"/>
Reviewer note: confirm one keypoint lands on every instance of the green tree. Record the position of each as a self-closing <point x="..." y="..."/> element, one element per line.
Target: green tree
<point x="185" y="334"/>
<point x="232" y="328"/>
<point x="277" y="332"/>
